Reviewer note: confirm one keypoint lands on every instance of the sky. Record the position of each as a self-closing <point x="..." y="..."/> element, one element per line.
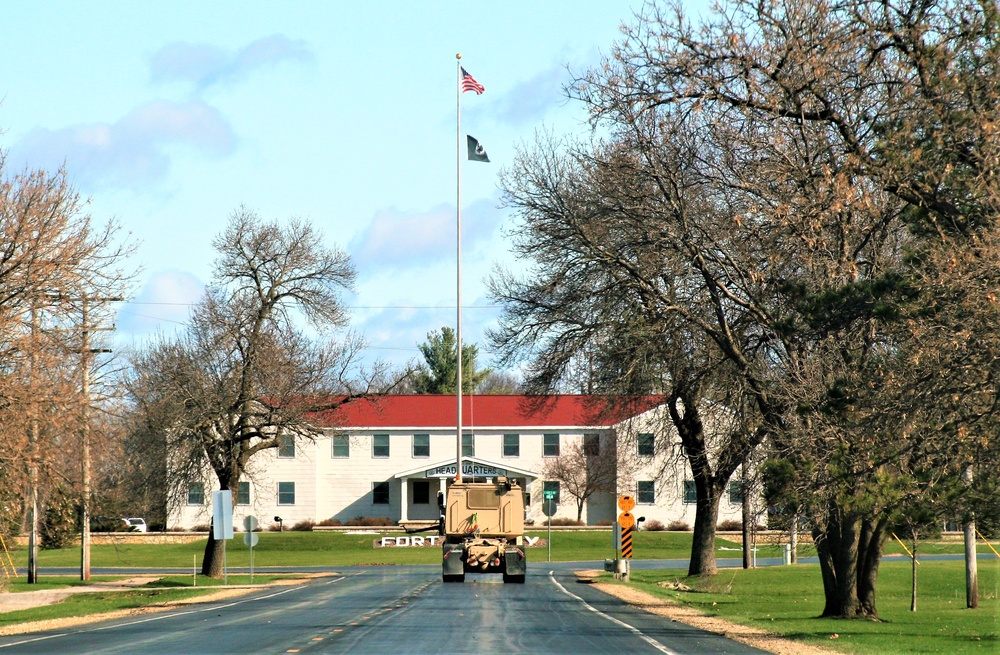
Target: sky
<point x="169" y="116"/>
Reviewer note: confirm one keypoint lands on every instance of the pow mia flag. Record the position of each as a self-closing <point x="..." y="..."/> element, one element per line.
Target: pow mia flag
<point x="476" y="151"/>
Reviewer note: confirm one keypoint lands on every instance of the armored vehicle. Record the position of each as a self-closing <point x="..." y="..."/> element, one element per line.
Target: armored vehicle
<point x="483" y="530"/>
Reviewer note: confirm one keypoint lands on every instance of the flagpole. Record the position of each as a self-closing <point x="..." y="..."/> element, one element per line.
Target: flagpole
<point x="458" y="284"/>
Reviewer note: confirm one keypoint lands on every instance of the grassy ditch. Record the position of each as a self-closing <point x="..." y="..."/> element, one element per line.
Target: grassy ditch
<point x="787" y="601"/>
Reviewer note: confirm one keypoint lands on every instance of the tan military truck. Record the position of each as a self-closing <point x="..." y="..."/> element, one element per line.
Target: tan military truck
<point x="483" y="531"/>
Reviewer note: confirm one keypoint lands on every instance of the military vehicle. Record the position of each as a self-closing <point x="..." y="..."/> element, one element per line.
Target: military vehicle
<point x="483" y="526"/>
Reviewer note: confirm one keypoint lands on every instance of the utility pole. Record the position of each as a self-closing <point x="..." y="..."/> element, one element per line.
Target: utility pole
<point x="33" y="436"/>
<point x="85" y="353"/>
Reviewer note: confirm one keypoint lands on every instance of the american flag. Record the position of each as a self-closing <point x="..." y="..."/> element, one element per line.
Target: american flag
<point x="469" y="83"/>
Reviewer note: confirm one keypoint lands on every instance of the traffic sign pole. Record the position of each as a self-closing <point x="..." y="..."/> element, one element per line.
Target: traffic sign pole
<point x="549" y="508"/>
<point x="626" y="522"/>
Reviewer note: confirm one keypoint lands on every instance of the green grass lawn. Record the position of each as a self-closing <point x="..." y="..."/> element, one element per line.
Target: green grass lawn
<point x="339" y="549"/>
<point x="788" y="600"/>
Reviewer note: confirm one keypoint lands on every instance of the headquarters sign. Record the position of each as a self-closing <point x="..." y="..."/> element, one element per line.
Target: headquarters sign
<point x="469" y="469"/>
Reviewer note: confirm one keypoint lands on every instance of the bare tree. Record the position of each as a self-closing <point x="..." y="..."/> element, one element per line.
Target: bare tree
<point x="52" y="256"/>
<point x="244" y="376"/>
<point x="582" y="469"/>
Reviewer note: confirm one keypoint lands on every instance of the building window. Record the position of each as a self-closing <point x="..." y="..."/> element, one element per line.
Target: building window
<point x="591" y="445"/>
<point x="645" y="444"/>
<point x="341" y="446"/>
<point x="380" y="445"/>
<point x="736" y="492"/>
<point x="469" y="445"/>
<point x="690" y="492"/>
<point x="511" y="445"/>
<point x="243" y="494"/>
<point x="645" y="492"/>
<point x="550" y="445"/>
<point x="421" y="445"/>
<point x="380" y="493"/>
<point x="196" y="493"/>
<point x="286" y="493"/>
<point x="287" y="447"/>
<point x="421" y="492"/>
<point x="549" y="485"/>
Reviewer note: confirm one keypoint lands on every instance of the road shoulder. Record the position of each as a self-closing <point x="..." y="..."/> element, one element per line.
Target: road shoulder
<point x="750" y="636"/>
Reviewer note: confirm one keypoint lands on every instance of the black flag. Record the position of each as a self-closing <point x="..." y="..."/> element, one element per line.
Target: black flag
<point x="476" y="150"/>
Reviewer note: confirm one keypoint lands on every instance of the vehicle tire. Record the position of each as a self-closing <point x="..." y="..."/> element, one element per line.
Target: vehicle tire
<point x="453" y="578"/>
<point x="514" y="579"/>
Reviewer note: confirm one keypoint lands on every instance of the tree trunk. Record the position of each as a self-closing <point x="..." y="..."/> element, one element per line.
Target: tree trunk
<point x="793" y="538"/>
<point x="745" y="516"/>
<point x="871" y="546"/>
<point x="703" y="539"/>
<point x="837" y="547"/>
<point x="850" y="550"/>
<point x="211" y="564"/>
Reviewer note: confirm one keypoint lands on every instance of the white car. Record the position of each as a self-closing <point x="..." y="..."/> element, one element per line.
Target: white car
<point x="134" y="525"/>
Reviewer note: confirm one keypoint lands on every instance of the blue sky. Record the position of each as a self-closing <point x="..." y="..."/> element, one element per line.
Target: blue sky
<point x="170" y="115"/>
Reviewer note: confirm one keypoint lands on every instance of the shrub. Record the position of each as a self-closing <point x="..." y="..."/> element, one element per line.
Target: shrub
<point x="330" y="523"/>
<point x="652" y="525"/>
<point x="605" y="522"/>
<point x="176" y="528"/>
<point x="201" y="527"/>
<point x="732" y="525"/>
<point x="678" y="526"/>
<point x="563" y="522"/>
<point x="370" y="521"/>
<point x="303" y="526"/>
<point x="274" y="527"/>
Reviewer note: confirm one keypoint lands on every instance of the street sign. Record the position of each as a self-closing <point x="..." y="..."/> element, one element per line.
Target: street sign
<point x="251" y="539"/>
<point x="626" y="503"/>
<point x="626" y="542"/>
<point x="549" y="507"/>
<point x="626" y="520"/>
<point x="549" y="494"/>
<point x="250" y="523"/>
<point x="222" y="514"/>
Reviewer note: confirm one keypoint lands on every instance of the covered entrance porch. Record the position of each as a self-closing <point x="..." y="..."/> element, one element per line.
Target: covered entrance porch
<point x="419" y="487"/>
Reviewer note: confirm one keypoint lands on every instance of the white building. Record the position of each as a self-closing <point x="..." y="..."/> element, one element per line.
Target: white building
<point x="390" y="456"/>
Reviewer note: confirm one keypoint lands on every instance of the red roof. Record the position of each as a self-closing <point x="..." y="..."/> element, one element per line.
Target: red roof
<point x="485" y="411"/>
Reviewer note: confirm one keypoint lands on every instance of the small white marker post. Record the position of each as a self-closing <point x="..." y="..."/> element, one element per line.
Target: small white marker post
<point x="250" y="539"/>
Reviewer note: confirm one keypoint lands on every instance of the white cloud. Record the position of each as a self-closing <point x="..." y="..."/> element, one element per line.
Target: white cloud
<point x="399" y="240"/>
<point x="131" y="151"/>
<point x="205" y="65"/>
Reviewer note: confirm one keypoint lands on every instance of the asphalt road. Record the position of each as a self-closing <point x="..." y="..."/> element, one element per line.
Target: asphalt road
<point x="395" y="610"/>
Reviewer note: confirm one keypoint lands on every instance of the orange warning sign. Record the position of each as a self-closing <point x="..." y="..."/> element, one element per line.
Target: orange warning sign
<point x="626" y="520"/>
<point x="626" y="503"/>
